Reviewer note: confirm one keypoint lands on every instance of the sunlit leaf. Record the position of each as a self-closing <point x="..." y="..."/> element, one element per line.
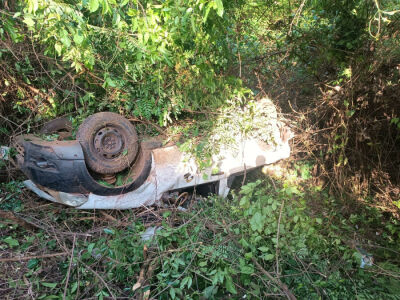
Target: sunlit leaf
<point x="93" y="5"/>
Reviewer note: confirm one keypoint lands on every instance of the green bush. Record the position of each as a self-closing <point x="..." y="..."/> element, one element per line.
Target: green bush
<point x="142" y="58"/>
<point x="224" y="248"/>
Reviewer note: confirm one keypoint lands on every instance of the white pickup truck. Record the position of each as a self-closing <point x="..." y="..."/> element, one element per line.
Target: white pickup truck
<point x="76" y="172"/>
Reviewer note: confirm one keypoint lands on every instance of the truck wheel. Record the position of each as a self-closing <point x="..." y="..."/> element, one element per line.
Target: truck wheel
<point x="109" y="142"/>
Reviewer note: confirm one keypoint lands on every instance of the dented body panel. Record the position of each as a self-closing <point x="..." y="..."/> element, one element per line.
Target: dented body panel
<point x="60" y="166"/>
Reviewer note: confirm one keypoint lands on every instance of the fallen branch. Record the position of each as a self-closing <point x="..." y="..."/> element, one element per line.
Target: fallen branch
<point x="13" y="259"/>
<point x="150" y="264"/>
<point x="98" y="277"/>
<point x="34" y="224"/>
<point x="279" y="283"/>
<point x="158" y="128"/>
<point x="277" y="238"/>
<point x="69" y="268"/>
<point x="8" y="215"/>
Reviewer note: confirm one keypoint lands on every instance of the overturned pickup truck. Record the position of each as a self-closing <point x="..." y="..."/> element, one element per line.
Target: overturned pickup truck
<point x="81" y="172"/>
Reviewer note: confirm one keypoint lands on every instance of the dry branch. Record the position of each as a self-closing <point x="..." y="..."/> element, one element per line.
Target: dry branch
<point x="14" y="259"/>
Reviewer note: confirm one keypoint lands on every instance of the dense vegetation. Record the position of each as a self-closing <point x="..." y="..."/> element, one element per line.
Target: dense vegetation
<point x="326" y="227"/>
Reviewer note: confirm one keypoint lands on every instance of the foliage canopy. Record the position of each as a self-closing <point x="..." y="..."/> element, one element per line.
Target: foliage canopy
<point x="200" y="65"/>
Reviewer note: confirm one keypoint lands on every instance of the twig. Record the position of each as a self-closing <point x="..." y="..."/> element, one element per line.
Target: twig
<point x="244" y="164"/>
<point x="182" y="197"/>
<point x="12" y="259"/>
<point x="9" y="49"/>
<point x="69" y="267"/>
<point x="52" y="229"/>
<point x="109" y="217"/>
<point x="296" y="17"/>
<point x="142" y="278"/>
<point x="8" y="120"/>
<point x="100" y="278"/>
<point x="159" y="129"/>
<point x="244" y="174"/>
<point x="8" y="215"/>
<point x="277" y="239"/>
<point x="201" y="112"/>
<point x="283" y="286"/>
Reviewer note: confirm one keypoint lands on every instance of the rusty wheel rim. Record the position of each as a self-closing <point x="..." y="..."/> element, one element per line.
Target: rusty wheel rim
<point x="109" y="142"/>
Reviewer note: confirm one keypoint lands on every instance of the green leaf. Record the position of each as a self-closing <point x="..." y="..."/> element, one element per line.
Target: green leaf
<point x="257" y="222"/>
<point x="263" y="249"/>
<point x="28" y="21"/>
<point x="104" y="183"/>
<point x="394" y="120"/>
<point x="109" y="231"/>
<point x="32" y="263"/>
<point x="105" y="6"/>
<point x="166" y="214"/>
<point x="247" y="269"/>
<point x="11" y="242"/>
<point x="186" y="281"/>
<point x="78" y="38"/>
<point x="210" y="291"/>
<point x="49" y="284"/>
<point x="229" y="285"/>
<point x="268" y="256"/>
<point x="318" y="220"/>
<point x="74" y="287"/>
<point x="172" y="293"/>
<point x="290" y="190"/>
<point x="120" y="180"/>
<point x="58" y="48"/>
<point x="206" y="13"/>
<point x="123" y="3"/>
<point x="202" y="263"/>
<point x="220" y="7"/>
<point x="90" y="247"/>
<point x="109" y="82"/>
<point x="93" y="5"/>
<point x="33" y="5"/>
<point x="66" y="41"/>
<point x="146" y="37"/>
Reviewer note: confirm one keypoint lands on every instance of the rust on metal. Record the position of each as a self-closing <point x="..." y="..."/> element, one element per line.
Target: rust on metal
<point x="109" y="178"/>
<point x="109" y="142"/>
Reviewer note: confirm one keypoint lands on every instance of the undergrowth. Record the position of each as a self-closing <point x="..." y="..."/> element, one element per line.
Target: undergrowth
<point x="271" y="239"/>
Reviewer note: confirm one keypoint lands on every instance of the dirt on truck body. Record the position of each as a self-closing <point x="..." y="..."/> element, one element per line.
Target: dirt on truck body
<point x="78" y="172"/>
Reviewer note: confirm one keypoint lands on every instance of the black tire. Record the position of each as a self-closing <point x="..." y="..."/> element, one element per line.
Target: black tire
<point x="109" y="142"/>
